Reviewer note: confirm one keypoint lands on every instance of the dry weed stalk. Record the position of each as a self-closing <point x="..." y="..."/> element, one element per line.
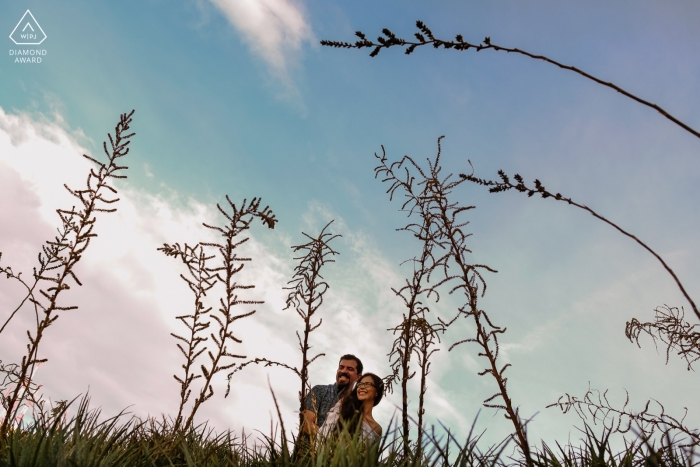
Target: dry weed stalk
<point x="425" y="37"/>
<point x="30" y="398"/>
<point x="427" y="337"/>
<point x="203" y="278"/>
<point x="307" y="288"/>
<point x="448" y="234"/>
<point x="505" y="185"/>
<point x="47" y="262"/>
<point x="472" y="284"/>
<point x="59" y="258"/>
<point x="671" y="328"/>
<point x="200" y="281"/>
<point x="596" y="405"/>
<point x="414" y="334"/>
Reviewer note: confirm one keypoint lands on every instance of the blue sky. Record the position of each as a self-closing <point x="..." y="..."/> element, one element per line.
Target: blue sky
<point x="239" y="98"/>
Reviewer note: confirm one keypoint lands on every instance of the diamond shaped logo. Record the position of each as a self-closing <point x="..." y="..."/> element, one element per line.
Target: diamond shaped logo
<point x="28" y="31"/>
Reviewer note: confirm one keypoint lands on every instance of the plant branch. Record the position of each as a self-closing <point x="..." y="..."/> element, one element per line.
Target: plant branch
<point x="450" y="236"/>
<point x="505" y="184"/>
<point x="62" y="255"/>
<point x="239" y="221"/>
<point x="200" y="281"/>
<point x="307" y="288"/>
<point x="596" y="405"/>
<point x="669" y="327"/>
<point x="425" y="37"/>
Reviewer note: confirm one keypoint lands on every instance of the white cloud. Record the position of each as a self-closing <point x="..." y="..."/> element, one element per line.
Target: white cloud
<point x="118" y="342"/>
<point x="275" y="30"/>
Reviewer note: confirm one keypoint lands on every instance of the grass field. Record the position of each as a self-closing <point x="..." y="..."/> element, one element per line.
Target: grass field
<point x="82" y="439"/>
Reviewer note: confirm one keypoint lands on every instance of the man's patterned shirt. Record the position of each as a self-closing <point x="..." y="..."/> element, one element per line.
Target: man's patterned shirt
<point x="320" y="400"/>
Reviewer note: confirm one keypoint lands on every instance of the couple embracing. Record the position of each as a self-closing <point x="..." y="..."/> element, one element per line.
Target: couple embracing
<point x="344" y="405"/>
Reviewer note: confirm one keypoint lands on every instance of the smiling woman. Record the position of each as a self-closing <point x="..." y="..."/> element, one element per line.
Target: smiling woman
<point x="355" y="411"/>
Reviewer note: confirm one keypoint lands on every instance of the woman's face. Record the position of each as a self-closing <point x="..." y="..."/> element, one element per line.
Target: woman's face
<point x="366" y="389"/>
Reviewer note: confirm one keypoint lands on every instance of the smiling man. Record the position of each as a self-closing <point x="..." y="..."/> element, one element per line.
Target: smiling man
<point x="322" y="398"/>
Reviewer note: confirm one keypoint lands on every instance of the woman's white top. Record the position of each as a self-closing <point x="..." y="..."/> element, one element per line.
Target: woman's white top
<point x="329" y="423"/>
<point x="367" y="434"/>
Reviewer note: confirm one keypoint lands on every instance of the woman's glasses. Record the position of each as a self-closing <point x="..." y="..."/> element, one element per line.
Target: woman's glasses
<point x="365" y="384"/>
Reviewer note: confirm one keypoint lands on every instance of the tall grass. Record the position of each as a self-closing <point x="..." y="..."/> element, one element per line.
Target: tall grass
<point x="81" y="439"/>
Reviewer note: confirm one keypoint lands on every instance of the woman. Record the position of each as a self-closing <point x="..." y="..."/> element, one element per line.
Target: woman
<point x="355" y="411"/>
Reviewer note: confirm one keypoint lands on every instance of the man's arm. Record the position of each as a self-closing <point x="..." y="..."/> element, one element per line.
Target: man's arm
<point x="309" y="423"/>
<point x="310" y="409"/>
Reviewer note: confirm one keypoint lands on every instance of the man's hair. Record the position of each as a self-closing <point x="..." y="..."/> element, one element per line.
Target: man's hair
<point x="357" y="360"/>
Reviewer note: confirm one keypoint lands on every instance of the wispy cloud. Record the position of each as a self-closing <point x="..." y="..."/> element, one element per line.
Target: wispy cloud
<point x="275" y="30"/>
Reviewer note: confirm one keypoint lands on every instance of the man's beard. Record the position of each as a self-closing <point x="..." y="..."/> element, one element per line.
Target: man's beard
<point x="343" y="386"/>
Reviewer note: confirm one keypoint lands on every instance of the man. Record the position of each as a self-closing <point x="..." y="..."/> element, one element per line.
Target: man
<point x="322" y="398"/>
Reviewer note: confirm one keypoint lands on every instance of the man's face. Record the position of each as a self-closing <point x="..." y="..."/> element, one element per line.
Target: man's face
<point x="346" y="374"/>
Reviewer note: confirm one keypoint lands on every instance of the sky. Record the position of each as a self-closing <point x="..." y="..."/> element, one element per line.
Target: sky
<point x="238" y="98"/>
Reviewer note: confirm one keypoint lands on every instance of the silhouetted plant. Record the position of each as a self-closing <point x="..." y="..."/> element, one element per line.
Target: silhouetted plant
<point x="59" y="257"/>
<point x="464" y="277"/>
<point x="31" y="399"/>
<point x="505" y="185"/>
<point x="649" y="420"/>
<point x="48" y="261"/>
<point x="307" y="288"/>
<point x="425" y="37"/>
<point x="200" y="281"/>
<point x="427" y="336"/>
<point x="669" y="327"/>
<point x="203" y="278"/>
<point x="415" y="335"/>
<point x="638" y="452"/>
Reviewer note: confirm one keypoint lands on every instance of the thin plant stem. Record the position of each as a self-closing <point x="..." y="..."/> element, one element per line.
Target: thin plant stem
<point x="65" y="252"/>
<point x="505" y="184"/>
<point x="425" y="37"/>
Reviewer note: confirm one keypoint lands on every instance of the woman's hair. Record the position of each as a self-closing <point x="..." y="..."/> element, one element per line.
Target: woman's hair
<point x="350" y="406"/>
